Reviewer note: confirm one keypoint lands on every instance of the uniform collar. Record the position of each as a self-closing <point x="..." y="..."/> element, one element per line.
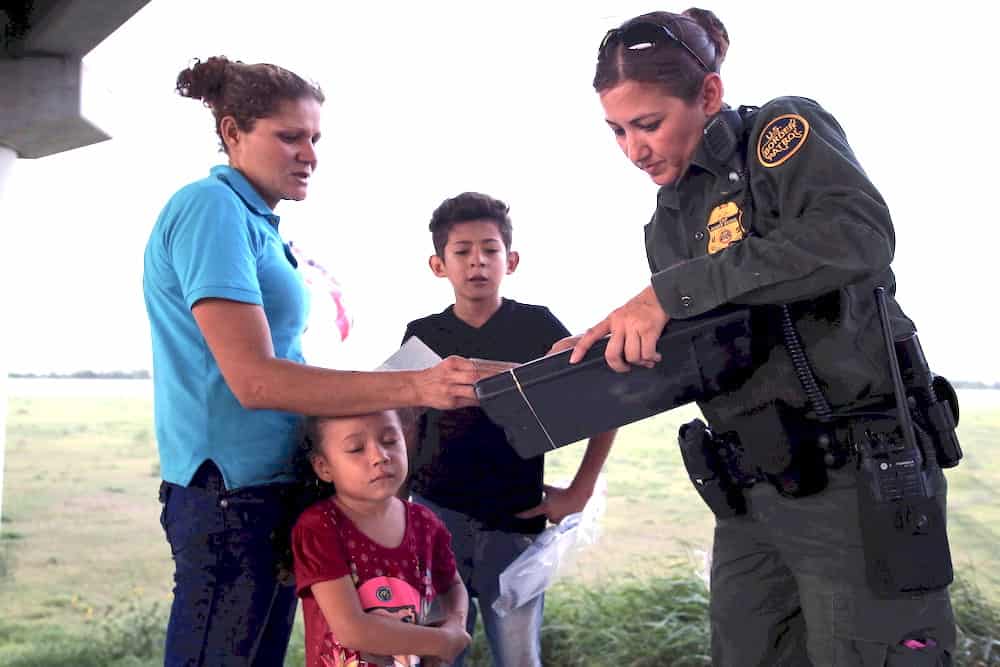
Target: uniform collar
<point x="242" y="187"/>
<point x="667" y="197"/>
<point x="727" y="175"/>
<point x="702" y="160"/>
<point x="706" y="162"/>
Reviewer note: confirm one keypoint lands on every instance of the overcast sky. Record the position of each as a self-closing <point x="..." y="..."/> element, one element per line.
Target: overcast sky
<point x="425" y="100"/>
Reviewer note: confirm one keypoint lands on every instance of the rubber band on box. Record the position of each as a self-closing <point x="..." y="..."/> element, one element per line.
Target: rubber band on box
<point x="517" y="383"/>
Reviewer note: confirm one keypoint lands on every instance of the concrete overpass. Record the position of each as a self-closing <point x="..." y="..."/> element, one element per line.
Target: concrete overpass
<point x="42" y="44"/>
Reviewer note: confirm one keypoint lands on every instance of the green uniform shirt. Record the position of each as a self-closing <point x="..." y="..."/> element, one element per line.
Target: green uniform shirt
<point x="812" y="232"/>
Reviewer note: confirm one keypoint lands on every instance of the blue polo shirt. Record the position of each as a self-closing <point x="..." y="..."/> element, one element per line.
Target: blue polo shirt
<point x="217" y="238"/>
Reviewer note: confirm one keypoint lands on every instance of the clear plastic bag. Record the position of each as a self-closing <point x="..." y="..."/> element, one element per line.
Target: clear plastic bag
<point x="551" y="552"/>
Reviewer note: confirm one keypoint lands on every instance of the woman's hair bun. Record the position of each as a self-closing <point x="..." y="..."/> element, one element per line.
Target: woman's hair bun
<point x="204" y="80"/>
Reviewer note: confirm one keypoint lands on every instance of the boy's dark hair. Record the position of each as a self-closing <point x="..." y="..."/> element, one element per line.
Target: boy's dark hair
<point x="467" y="207"/>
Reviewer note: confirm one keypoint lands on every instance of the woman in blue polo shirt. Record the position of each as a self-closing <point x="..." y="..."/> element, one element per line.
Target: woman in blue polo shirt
<point x="227" y="309"/>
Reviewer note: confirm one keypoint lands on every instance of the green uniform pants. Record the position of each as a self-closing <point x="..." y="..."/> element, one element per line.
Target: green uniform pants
<point x="788" y="589"/>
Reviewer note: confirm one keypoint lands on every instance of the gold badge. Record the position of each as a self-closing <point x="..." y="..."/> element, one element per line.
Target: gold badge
<point x="725" y="227"/>
<point x="781" y="139"/>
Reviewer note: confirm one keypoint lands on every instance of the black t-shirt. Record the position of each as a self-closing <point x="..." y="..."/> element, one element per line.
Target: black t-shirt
<point x="461" y="459"/>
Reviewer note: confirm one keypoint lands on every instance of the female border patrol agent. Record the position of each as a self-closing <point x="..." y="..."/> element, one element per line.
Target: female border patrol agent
<point x="769" y="208"/>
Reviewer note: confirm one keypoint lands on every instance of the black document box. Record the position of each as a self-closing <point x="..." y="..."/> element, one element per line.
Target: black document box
<point x="548" y="403"/>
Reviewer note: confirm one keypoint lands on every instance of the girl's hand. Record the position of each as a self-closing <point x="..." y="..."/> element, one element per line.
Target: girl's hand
<point x="454" y="640"/>
<point x="635" y="329"/>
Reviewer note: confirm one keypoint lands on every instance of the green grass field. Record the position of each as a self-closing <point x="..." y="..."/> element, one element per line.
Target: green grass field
<point x="83" y="561"/>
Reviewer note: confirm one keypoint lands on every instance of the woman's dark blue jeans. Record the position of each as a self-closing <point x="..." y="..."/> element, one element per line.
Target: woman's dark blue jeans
<point x="229" y="607"/>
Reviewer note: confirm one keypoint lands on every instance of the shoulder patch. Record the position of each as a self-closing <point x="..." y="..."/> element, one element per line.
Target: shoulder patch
<point x="781" y="139"/>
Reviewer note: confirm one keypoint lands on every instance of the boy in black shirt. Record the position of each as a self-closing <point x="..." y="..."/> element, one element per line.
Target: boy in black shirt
<point x="492" y="501"/>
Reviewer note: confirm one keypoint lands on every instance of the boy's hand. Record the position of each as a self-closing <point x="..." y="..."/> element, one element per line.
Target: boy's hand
<point x="635" y="329"/>
<point x="448" y="385"/>
<point x="487" y="367"/>
<point x="557" y="504"/>
<point x="564" y="344"/>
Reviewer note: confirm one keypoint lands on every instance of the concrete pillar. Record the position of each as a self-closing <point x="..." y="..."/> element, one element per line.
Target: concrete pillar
<point x="42" y="102"/>
<point x="7" y="158"/>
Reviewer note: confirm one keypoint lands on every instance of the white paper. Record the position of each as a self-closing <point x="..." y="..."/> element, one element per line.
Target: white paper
<point x="413" y="355"/>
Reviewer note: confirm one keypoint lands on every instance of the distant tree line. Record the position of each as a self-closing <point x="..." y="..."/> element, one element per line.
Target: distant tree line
<point x="967" y="384"/>
<point x="141" y="374"/>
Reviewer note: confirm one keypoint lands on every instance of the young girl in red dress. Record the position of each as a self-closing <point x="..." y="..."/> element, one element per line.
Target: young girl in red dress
<point x="367" y="564"/>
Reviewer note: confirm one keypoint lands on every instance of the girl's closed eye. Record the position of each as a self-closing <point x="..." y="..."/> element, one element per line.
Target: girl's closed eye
<point x="354" y="446"/>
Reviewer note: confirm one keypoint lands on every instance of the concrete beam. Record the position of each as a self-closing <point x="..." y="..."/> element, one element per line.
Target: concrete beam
<point x="41" y="99"/>
<point x="73" y="27"/>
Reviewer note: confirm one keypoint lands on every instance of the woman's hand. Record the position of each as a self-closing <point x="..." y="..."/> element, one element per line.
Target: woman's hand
<point x="448" y="385"/>
<point x="239" y="338"/>
<point x="635" y="328"/>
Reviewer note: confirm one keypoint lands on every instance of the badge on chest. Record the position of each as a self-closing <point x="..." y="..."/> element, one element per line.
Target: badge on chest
<point x="725" y="227"/>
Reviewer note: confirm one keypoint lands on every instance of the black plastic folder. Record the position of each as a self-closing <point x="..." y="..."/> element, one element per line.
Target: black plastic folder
<point x="548" y="403"/>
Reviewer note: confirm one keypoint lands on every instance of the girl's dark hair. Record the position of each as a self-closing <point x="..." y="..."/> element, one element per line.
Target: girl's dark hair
<point x="665" y="63"/>
<point x="313" y="489"/>
<point x="245" y="92"/>
<point x="467" y="207"/>
<point x="308" y="489"/>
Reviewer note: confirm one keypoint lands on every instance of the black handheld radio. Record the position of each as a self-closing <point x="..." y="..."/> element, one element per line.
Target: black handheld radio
<point x="902" y="520"/>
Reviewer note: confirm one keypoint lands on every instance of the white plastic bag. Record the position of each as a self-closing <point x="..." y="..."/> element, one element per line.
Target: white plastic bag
<point x="554" y="548"/>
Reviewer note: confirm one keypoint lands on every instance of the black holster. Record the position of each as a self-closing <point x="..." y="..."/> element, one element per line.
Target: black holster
<point x="705" y="459"/>
<point x="933" y="401"/>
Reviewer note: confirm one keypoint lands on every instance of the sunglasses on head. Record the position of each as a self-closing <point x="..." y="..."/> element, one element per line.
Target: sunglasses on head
<point x="644" y="35"/>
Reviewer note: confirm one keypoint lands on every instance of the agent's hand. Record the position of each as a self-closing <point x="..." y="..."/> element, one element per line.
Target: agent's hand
<point x="448" y="385"/>
<point x="557" y="503"/>
<point x="563" y="344"/>
<point x="634" y="329"/>
<point x="454" y="641"/>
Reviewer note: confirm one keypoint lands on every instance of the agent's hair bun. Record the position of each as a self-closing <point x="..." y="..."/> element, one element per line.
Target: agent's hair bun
<point x="714" y="28"/>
